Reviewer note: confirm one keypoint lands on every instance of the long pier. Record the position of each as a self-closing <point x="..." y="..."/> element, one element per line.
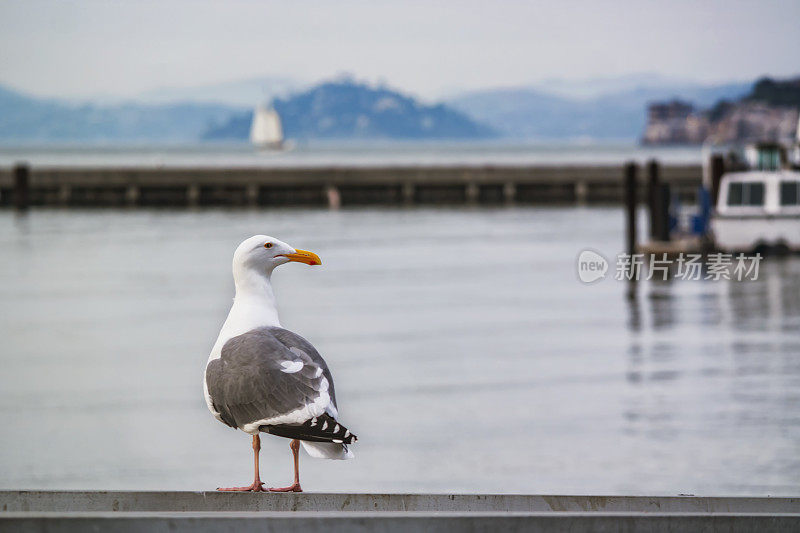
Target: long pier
<point x="326" y="186"/>
<point x="214" y="511"/>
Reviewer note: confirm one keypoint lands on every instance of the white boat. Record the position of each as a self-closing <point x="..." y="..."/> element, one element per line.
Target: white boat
<point x="759" y="208"/>
<point x="266" y="131"/>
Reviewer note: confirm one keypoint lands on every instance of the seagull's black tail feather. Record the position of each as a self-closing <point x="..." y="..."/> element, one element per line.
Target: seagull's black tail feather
<point x="323" y="428"/>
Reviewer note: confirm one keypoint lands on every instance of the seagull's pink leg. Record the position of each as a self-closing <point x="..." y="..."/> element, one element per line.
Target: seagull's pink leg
<point x="294" y="487"/>
<point x="256" y="486"/>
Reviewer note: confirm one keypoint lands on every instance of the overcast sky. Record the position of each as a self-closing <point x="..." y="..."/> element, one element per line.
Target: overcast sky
<point x="80" y="49"/>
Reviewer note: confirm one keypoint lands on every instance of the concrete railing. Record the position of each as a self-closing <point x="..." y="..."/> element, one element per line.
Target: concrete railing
<point x="145" y="501"/>
<point x="214" y="511"/>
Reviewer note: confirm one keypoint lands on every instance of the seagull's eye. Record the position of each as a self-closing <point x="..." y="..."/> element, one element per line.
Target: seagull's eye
<point x="268" y="245"/>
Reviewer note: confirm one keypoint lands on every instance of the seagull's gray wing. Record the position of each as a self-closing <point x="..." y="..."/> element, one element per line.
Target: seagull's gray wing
<point x="269" y="376"/>
<point x="295" y="342"/>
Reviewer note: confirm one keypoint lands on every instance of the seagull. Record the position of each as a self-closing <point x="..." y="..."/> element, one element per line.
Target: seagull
<point x="262" y="378"/>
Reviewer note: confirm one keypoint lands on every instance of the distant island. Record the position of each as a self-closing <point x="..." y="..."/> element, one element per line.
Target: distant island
<point x="768" y="112"/>
<point x="346" y="109"/>
<point x="341" y="109"/>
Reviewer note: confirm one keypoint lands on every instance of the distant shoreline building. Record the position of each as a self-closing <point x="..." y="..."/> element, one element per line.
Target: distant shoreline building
<point x="674" y="122"/>
<point x="677" y="122"/>
<point x="769" y="113"/>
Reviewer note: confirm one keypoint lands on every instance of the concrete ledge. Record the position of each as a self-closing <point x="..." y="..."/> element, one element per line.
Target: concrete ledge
<point x="396" y="521"/>
<point x="129" y="501"/>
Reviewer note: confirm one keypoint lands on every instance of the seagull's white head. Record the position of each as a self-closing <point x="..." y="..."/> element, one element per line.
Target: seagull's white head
<point x="260" y="254"/>
<point x="254" y="305"/>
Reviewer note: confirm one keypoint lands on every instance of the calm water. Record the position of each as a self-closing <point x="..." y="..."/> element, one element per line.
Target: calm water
<point x="467" y="356"/>
<point x="353" y="153"/>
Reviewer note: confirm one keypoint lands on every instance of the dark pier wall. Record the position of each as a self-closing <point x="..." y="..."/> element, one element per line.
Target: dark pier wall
<point x="319" y="186"/>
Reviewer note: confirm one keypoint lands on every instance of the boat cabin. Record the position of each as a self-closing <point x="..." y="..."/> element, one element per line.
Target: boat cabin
<point x="753" y="193"/>
<point x="758" y="209"/>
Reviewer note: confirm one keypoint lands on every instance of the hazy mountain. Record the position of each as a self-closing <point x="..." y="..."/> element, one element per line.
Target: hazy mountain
<point x="699" y="95"/>
<point x="345" y="109"/>
<point x="615" y="109"/>
<point x="28" y="119"/>
<point x="244" y="93"/>
<point x="528" y="113"/>
<point x="592" y="88"/>
<point x="604" y="108"/>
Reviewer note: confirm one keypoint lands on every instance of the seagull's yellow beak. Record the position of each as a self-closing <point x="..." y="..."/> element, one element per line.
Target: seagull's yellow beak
<point x="304" y="256"/>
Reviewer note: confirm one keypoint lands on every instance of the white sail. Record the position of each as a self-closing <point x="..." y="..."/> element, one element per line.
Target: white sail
<point x="266" y="128"/>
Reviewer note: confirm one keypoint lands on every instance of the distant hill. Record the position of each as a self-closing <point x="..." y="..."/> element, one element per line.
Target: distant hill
<point x="345" y="109"/>
<point x="28" y="119"/>
<point x="617" y="113"/>
<point x="776" y="92"/>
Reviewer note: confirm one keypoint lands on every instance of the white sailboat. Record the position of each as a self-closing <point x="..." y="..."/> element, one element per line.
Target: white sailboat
<point x="266" y="131"/>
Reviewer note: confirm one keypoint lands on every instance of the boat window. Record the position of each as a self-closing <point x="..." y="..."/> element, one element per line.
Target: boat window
<point x="790" y="193"/>
<point x="769" y="159"/>
<point x="750" y="193"/>
<point x="735" y="194"/>
<point x="753" y="194"/>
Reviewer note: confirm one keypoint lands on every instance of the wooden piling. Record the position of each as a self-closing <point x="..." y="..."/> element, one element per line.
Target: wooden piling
<point x="509" y="192"/>
<point x="193" y="195"/>
<point x="630" y="207"/>
<point x="64" y="194"/>
<point x="251" y="194"/>
<point x="21" y="186"/>
<point x="472" y="192"/>
<point x="581" y="192"/>
<point x="663" y="199"/>
<point x="408" y="192"/>
<point x="659" y="196"/>
<point x="132" y="194"/>
<point x="333" y="196"/>
<point x="717" y="170"/>
<point x="652" y="197"/>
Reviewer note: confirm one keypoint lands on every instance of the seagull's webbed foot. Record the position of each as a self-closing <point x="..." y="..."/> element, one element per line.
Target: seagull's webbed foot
<point x="255" y="487"/>
<point x="257" y="484"/>
<point x="294" y="487"/>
